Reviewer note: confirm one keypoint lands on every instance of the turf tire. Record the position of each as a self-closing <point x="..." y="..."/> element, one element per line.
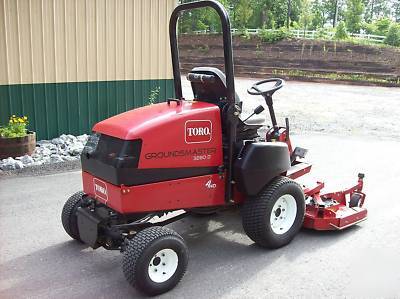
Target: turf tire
<point x="256" y="213"/>
<point x="68" y="216"/>
<point x="139" y="252"/>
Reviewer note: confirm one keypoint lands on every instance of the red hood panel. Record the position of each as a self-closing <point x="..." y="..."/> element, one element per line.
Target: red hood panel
<point x="132" y="124"/>
<point x="173" y="136"/>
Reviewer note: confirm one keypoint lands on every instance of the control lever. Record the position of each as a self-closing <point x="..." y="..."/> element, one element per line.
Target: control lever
<point x="256" y="111"/>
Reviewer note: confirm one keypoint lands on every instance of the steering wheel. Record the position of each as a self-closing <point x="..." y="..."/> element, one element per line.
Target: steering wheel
<point x="256" y="89"/>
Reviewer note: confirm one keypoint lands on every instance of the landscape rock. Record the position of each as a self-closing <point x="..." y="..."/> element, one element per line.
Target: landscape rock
<point x="8" y="164"/>
<point x="18" y="164"/>
<point x="70" y="158"/>
<point x="26" y="160"/>
<point x="75" y="149"/>
<point x="83" y="138"/>
<point x="65" y="148"/>
<point x="57" y="141"/>
<point x="55" y="158"/>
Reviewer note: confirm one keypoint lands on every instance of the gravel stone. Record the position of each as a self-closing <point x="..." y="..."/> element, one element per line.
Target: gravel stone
<point x="54" y="158"/>
<point x="69" y="158"/>
<point x="57" y="141"/>
<point x="65" y="148"/>
<point x="8" y="164"/>
<point x="18" y="164"/>
<point x="26" y="160"/>
<point x="75" y="149"/>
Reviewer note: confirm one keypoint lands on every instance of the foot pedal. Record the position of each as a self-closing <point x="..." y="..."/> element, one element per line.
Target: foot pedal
<point x="298" y="152"/>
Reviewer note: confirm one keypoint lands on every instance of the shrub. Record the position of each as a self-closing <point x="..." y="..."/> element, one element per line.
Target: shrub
<point x="154" y="93"/>
<point x="270" y="36"/>
<point x="16" y="127"/>
<point x="393" y="35"/>
<point x="369" y="28"/>
<point x="244" y="33"/>
<point x="341" y="32"/>
<point x="295" y="25"/>
<point x="378" y="27"/>
<point x="322" y="33"/>
<point x="382" y="26"/>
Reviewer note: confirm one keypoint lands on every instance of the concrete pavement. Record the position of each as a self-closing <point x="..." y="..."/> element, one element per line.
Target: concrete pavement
<point x="38" y="259"/>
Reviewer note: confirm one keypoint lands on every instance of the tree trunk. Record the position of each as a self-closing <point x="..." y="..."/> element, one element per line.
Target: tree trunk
<point x="263" y="18"/>
<point x="289" y="7"/>
<point x="336" y="13"/>
<point x="372" y="9"/>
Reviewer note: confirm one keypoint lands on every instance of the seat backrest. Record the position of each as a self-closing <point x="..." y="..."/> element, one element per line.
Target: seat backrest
<point x="208" y="84"/>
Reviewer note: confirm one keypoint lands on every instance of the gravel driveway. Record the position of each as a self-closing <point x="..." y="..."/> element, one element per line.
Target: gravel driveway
<point x="38" y="260"/>
<point x="345" y="110"/>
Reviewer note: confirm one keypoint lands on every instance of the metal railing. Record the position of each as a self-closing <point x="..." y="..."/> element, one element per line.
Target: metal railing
<point x="307" y="34"/>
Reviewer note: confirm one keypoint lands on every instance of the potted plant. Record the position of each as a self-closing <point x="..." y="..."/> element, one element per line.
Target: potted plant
<point x="15" y="139"/>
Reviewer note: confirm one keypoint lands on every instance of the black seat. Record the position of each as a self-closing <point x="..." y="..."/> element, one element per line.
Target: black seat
<point x="209" y="85"/>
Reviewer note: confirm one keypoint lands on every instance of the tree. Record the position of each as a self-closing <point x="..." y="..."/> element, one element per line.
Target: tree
<point x="318" y="14"/>
<point x="382" y="26"/>
<point x="211" y="18"/>
<point x="393" y="35"/>
<point x="243" y="13"/>
<point x="332" y="10"/>
<point x="270" y="13"/>
<point x="335" y="18"/>
<point x="306" y="15"/>
<point x="354" y="12"/>
<point x="341" y="32"/>
<point x="376" y="9"/>
<point x="289" y="7"/>
<point x="396" y="11"/>
<point x="200" y="19"/>
<point x="295" y="11"/>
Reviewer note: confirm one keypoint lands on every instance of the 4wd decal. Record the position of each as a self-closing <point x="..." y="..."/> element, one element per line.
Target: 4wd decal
<point x="198" y="131"/>
<point x="211" y="185"/>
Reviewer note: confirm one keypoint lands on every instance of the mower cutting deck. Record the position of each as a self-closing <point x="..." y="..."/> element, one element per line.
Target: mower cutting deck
<point x="150" y="166"/>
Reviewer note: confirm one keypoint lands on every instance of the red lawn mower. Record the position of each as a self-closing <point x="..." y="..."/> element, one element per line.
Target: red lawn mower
<point x="180" y="157"/>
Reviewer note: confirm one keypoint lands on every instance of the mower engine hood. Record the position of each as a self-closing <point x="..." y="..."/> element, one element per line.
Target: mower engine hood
<point x="135" y="123"/>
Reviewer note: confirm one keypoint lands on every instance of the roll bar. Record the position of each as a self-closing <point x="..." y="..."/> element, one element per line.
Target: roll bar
<point x="227" y="40"/>
<point x="234" y="108"/>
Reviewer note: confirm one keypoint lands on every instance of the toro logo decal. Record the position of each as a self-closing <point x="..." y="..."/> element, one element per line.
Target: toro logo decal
<point x="100" y="189"/>
<point x="198" y="131"/>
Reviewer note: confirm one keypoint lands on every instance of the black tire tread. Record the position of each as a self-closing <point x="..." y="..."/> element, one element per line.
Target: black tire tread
<point x="253" y="211"/>
<point x="137" y="245"/>
<point x="68" y="217"/>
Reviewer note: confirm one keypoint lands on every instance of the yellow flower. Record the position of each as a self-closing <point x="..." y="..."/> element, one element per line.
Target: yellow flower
<point x="25" y="118"/>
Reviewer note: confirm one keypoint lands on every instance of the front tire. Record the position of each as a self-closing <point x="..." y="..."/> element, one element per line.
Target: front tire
<point x="68" y="215"/>
<point x="273" y="217"/>
<point x="155" y="260"/>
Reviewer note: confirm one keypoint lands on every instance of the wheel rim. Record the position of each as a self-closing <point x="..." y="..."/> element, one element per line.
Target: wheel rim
<point x="283" y="214"/>
<point x="163" y="265"/>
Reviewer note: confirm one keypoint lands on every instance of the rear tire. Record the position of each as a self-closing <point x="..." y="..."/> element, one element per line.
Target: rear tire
<point x="273" y="217"/>
<point x="155" y="260"/>
<point x="68" y="215"/>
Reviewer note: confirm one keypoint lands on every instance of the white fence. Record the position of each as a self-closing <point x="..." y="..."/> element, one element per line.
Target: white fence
<point x="308" y="34"/>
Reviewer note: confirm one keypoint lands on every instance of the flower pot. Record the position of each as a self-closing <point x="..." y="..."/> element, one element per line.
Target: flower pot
<point x="18" y="146"/>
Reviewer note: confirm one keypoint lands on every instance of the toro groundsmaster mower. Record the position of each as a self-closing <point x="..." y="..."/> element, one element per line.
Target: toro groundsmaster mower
<point x="150" y="166"/>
